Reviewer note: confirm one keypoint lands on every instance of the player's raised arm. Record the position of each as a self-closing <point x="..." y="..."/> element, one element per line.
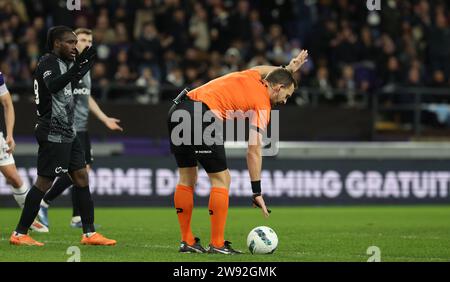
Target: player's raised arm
<point x="63" y="44"/>
<point x="294" y="65"/>
<point x="8" y="109"/>
<point x="55" y="81"/>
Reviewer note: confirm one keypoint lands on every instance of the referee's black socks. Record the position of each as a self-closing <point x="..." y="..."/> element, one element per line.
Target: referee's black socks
<point x="82" y="195"/>
<point x="30" y="210"/>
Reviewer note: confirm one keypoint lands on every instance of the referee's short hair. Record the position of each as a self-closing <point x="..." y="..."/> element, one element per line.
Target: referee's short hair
<point x="55" y="33"/>
<point x="281" y="76"/>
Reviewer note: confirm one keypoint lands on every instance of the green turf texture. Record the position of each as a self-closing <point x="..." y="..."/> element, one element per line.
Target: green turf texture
<point x="403" y="233"/>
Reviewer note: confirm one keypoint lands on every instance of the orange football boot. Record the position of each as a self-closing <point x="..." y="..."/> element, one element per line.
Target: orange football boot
<point x="97" y="239"/>
<point x="23" y="240"/>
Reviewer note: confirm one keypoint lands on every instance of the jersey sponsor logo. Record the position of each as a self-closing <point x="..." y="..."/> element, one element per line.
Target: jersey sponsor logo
<point x="47" y="73"/>
<point x="204" y="152"/>
<point x="82" y="91"/>
<point x="67" y="91"/>
<point x="61" y="170"/>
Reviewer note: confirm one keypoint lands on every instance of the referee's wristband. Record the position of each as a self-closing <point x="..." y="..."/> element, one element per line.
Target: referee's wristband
<point x="256" y="186"/>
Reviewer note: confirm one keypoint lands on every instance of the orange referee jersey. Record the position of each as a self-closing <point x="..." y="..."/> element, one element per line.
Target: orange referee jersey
<point x="236" y="95"/>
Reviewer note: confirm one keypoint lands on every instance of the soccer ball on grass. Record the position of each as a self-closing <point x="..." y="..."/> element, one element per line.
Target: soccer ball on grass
<point x="262" y="240"/>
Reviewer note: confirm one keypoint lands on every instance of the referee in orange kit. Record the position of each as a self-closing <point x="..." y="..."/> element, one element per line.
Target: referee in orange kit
<point x="255" y="90"/>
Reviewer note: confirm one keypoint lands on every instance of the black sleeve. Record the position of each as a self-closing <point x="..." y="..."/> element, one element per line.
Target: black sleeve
<point x="51" y="74"/>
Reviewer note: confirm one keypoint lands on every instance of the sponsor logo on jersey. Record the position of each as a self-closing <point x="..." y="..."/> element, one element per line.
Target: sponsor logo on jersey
<point x="61" y="170"/>
<point x="67" y="91"/>
<point x="47" y="73"/>
<point x="82" y="91"/>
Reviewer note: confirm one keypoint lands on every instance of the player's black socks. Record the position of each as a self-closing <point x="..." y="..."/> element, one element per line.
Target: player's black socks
<point x="86" y="205"/>
<point x="61" y="184"/>
<point x="30" y="210"/>
<point x="75" y="207"/>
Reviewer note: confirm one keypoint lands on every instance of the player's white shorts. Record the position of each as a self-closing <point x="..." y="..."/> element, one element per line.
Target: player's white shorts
<point x="5" y="158"/>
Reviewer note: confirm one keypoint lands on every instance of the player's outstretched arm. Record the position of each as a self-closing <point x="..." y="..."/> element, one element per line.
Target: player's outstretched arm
<point x="294" y="65"/>
<point x="8" y="110"/>
<point x="109" y="122"/>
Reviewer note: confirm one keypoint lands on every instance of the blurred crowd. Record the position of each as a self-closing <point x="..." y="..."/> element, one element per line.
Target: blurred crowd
<point x="164" y="45"/>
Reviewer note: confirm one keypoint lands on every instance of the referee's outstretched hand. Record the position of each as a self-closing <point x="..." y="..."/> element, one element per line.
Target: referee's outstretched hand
<point x="258" y="202"/>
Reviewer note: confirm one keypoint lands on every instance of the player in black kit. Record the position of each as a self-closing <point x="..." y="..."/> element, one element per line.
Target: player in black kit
<point x="59" y="151"/>
<point x="84" y="103"/>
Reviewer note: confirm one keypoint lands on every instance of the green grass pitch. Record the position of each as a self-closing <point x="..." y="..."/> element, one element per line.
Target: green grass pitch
<point x="402" y="233"/>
